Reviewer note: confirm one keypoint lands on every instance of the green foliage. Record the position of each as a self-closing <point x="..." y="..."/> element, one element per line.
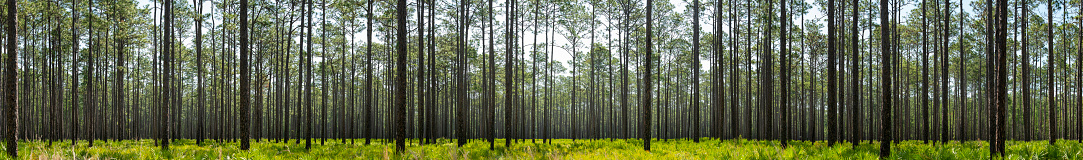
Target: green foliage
<point x="560" y="149"/>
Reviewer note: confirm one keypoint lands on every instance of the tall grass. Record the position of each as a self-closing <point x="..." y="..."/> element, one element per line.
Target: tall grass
<point x="559" y="149"/>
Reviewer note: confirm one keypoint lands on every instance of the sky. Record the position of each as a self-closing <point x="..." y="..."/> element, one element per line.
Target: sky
<point x="680" y="7"/>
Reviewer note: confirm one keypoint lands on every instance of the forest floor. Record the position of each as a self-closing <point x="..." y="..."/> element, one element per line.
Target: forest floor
<point x="559" y="149"/>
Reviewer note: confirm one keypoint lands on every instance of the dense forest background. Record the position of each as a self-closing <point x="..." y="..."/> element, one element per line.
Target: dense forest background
<point x="535" y="70"/>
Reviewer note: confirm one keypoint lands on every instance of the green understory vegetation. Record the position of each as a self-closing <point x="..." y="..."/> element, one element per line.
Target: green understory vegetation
<point x="559" y="149"/>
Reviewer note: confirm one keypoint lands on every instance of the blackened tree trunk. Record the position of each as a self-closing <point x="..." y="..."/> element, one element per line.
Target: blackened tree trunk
<point x="244" y="76"/>
<point x="490" y="81"/>
<point x="768" y="91"/>
<point x="924" y="76"/>
<point x="885" y="84"/>
<point x="163" y="105"/>
<point x="308" y="79"/>
<point x="1079" y="82"/>
<point x="647" y="80"/>
<point x="832" y="82"/>
<point x="695" y="70"/>
<point x="1002" y="74"/>
<point x="89" y="95"/>
<point x="944" y="133"/>
<point x="944" y="64"/>
<point x="994" y="72"/>
<point x="10" y="95"/>
<point x="400" y="100"/>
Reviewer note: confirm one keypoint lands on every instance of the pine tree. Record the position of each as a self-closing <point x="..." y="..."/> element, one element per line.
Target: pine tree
<point x="421" y="87"/>
<point x="509" y="69"/>
<point x="647" y="80"/>
<point x="785" y="75"/>
<point x="924" y="75"/>
<point x="245" y="78"/>
<point x="89" y="93"/>
<point x="734" y="75"/>
<point x="885" y="85"/>
<point x="855" y="67"/>
<point x="10" y="95"/>
<point x="1027" y="121"/>
<point x="695" y="70"/>
<point x="74" y="72"/>
<point x="400" y="103"/>
<point x="369" y="120"/>
<point x="1079" y="79"/>
<point x="1001" y="72"/>
<point x="463" y="101"/>
<point x="308" y="78"/>
<point x="119" y="98"/>
<point x="199" y="72"/>
<point x="491" y="81"/>
<point x="1051" y="64"/>
<point x="832" y="82"/>
<point x="163" y="105"/>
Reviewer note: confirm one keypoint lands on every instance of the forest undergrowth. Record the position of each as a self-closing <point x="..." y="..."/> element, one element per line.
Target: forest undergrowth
<point x="559" y="149"/>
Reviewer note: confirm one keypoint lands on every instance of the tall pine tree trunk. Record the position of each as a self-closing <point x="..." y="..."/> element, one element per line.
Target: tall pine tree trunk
<point x="199" y="72"/>
<point x="1051" y="85"/>
<point x="509" y="70"/>
<point x="885" y="83"/>
<point x="421" y="87"/>
<point x="1027" y="120"/>
<point x="924" y="75"/>
<point x="10" y="94"/>
<point x="647" y="80"/>
<point x="400" y="100"/>
<point x="163" y="115"/>
<point x="785" y="75"/>
<point x="1001" y="72"/>
<point x="832" y="84"/>
<point x="855" y="82"/>
<point x="74" y="72"/>
<point x="695" y="71"/>
<point x="245" y="94"/>
<point x="308" y="79"/>
<point x="369" y="120"/>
